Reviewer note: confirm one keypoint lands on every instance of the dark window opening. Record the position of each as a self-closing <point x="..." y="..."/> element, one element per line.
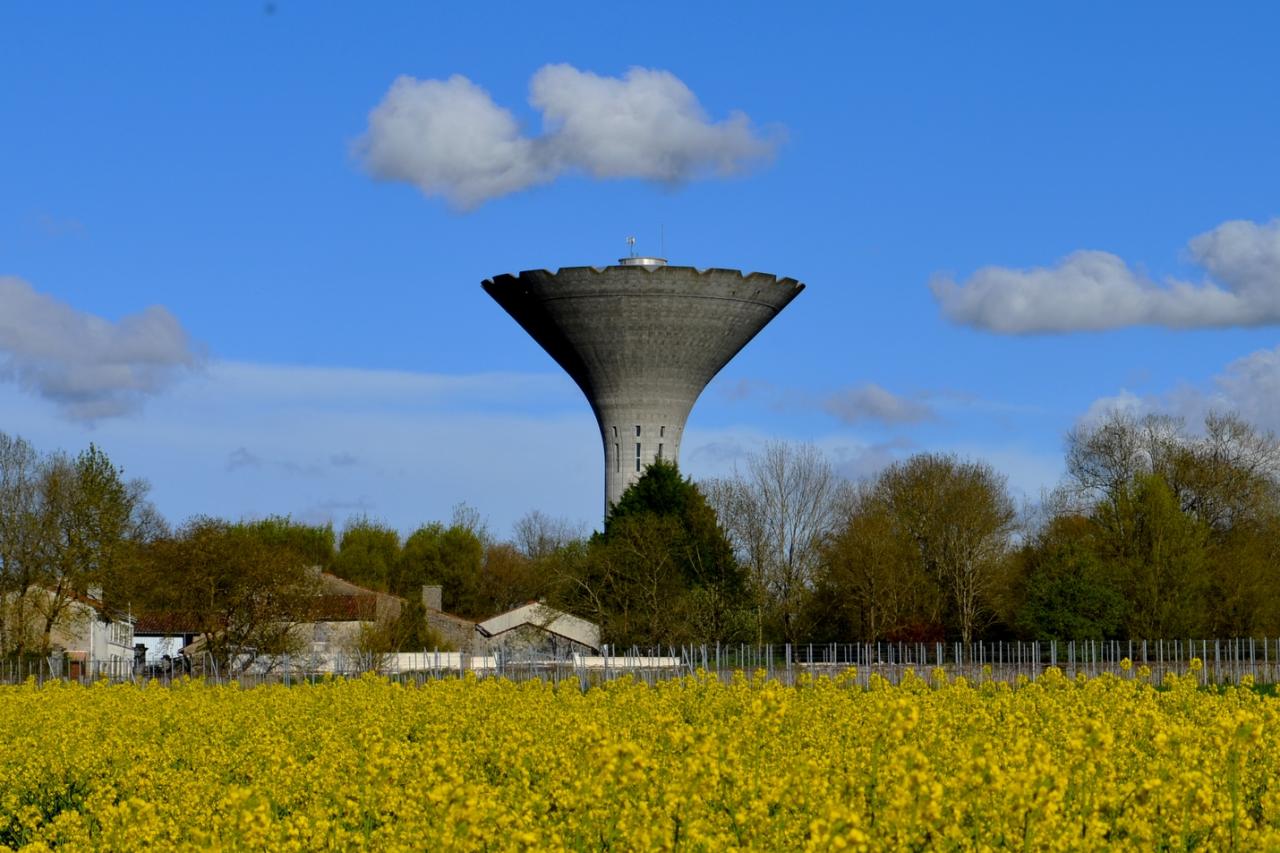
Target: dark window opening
<point x="617" y="457"/>
<point x="637" y="430"/>
<point x="662" y="432"/>
<point x="637" y="454"/>
<point x="659" y="451"/>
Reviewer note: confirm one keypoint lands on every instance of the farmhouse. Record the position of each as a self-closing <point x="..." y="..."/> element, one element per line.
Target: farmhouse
<point x="339" y="631"/>
<point x="90" y="637"/>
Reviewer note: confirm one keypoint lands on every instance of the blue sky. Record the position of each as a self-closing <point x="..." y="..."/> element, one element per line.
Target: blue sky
<point x="322" y="346"/>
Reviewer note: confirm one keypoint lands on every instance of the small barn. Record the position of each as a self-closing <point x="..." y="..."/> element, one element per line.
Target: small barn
<point x="537" y="629"/>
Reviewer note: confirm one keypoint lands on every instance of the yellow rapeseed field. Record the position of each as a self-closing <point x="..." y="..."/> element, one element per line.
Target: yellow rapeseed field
<point x="1058" y="764"/>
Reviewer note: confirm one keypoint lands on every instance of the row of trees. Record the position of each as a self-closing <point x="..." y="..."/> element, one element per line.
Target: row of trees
<point x="1156" y="531"/>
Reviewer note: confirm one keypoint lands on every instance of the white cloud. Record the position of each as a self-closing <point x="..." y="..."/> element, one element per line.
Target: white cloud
<point x="1248" y="386"/>
<point x="870" y="402"/>
<point x="90" y="367"/>
<point x="449" y="138"/>
<point x="1125" y="402"/>
<point x="647" y="124"/>
<point x="1092" y="290"/>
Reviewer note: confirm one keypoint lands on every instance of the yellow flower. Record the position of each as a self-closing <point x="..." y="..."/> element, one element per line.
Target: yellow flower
<point x="461" y="764"/>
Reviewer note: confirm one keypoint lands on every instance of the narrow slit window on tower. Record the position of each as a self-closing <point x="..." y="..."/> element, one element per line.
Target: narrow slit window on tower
<point x="659" y="451"/>
<point x="662" y="432"/>
<point x="637" y="454"/>
<point x="617" y="456"/>
<point x="637" y="430"/>
<point x="615" y="433"/>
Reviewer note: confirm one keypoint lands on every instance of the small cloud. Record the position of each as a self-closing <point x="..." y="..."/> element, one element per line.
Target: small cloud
<point x="745" y="388"/>
<point x="297" y="469"/>
<point x="242" y="458"/>
<point x="720" y="452"/>
<point x="1093" y="290"/>
<point x="870" y="402"/>
<point x="449" y="138"/>
<point x="90" y="367"/>
<point x="859" y="404"/>
<point x="53" y="226"/>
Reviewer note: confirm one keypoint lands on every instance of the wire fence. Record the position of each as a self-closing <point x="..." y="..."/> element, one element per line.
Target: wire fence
<point x="1222" y="662"/>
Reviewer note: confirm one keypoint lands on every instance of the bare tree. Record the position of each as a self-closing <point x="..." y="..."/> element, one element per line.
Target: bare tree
<point x="1229" y="475"/>
<point x="467" y="517"/>
<point x="779" y="515"/>
<point x="538" y="535"/>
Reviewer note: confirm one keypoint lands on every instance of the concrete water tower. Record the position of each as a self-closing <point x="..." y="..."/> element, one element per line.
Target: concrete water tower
<point x="641" y="339"/>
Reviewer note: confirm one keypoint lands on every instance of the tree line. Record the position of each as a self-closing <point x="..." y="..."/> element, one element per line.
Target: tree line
<point x="1157" y="530"/>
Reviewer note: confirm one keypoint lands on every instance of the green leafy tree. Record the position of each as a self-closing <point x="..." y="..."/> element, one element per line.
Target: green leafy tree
<point x="313" y="543"/>
<point x="1160" y="554"/>
<point x="419" y="560"/>
<point x="508" y="578"/>
<point x="451" y="557"/>
<point x="662" y="570"/>
<point x="368" y="553"/>
<point x="244" y="594"/>
<point x="461" y="559"/>
<point x="1067" y="594"/>
<point x="85" y="522"/>
<point x="702" y="551"/>
<point x="1186" y="523"/>
<point x="960" y="519"/>
<point x="872" y="581"/>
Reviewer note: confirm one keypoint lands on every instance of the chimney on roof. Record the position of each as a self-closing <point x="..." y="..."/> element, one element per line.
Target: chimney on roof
<point x="433" y="597"/>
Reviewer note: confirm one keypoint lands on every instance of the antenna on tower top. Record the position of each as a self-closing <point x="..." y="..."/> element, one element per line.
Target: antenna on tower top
<point x="634" y="260"/>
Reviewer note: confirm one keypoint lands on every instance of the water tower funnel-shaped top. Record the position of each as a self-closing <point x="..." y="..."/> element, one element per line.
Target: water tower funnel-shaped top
<point x="642" y="340"/>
